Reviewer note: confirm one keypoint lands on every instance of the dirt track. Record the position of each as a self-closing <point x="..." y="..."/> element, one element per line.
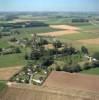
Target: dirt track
<point x="89" y="41"/>
<point x="66" y="29"/>
<point x="7" y="73"/>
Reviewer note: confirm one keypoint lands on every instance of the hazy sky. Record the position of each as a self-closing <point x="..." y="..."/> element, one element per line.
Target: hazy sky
<point x="49" y="5"/>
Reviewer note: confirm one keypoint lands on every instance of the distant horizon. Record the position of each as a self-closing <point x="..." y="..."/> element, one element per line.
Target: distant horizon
<point x="49" y="12"/>
<point x="49" y="6"/>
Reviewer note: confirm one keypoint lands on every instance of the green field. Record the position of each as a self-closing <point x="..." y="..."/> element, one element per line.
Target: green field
<point x="12" y="60"/>
<point x="3" y="43"/>
<point x="2" y="85"/>
<point x="79" y="36"/>
<point x="18" y="59"/>
<point x="94" y="71"/>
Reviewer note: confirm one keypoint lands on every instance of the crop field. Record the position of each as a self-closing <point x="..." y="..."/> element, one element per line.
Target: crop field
<point x="48" y="52"/>
<point x="7" y="73"/>
<point x="62" y="28"/>
<point x="66" y="30"/>
<point x="61" y="80"/>
<point x="89" y="41"/>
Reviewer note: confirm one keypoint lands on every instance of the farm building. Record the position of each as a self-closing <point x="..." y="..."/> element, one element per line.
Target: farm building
<point x="59" y="86"/>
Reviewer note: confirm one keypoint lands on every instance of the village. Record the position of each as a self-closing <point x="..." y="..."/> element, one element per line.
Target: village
<point x="47" y="55"/>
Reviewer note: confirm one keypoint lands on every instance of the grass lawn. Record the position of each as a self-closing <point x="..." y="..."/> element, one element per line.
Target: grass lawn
<point x="90" y="26"/>
<point x="2" y="85"/>
<point x="3" y="43"/>
<point x="12" y="60"/>
<point x="94" y="71"/>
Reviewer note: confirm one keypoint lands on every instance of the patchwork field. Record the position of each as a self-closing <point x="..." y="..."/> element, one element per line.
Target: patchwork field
<point x="59" y="86"/>
<point x="66" y="30"/>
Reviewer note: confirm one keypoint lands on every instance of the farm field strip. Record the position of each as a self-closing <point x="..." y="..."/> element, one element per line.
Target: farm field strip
<point x="89" y="41"/>
<point x="66" y="29"/>
<point x="7" y="73"/>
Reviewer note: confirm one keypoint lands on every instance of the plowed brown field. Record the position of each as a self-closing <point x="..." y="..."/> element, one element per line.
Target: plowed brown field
<point x="75" y="81"/>
<point x="7" y="73"/>
<point x="59" y="86"/>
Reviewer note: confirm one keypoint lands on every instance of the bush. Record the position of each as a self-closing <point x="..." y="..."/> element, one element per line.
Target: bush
<point x="96" y="55"/>
<point x="58" y="68"/>
<point x="35" y="55"/>
<point x="84" y="50"/>
<point x="0" y="49"/>
<point x="87" y="66"/>
<point x="17" y="50"/>
<point x="52" y="52"/>
<point x="57" y="44"/>
<point x="72" y="68"/>
<point x="96" y="64"/>
<point x="13" y="39"/>
<point x="26" y="57"/>
<point x="42" y="42"/>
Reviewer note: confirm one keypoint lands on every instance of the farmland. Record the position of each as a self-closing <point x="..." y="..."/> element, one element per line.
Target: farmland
<point x="22" y="38"/>
<point x="94" y="71"/>
<point x="2" y="85"/>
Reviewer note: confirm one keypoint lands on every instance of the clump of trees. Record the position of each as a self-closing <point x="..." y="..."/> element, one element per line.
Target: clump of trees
<point x="82" y="20"/>
<point x="72" y="68"/>
<point x="13" y="39"/>
<point x="84" y="50"/>
<point x="23" y="24"/>
<point x="42" y="42"/>
<point x="10" y="50"/>
<point x="35" y="55"/>
<point x="96" y="55"/>
<point x="47" y="61"/>
<point x="57" y="44"/>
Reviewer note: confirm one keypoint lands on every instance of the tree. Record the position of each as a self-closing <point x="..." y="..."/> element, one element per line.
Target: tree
<point x="71" y="50"/>
<point x="58" y="68"/>
<point x="17" y="50"/>
<point x="57" y="44"/>
<point x="26" y="57"/>
<point x="84" y="50"/>
<point x="35" y="55"/>
<point x="0" y="35"/>
<point x="47" y="61"/>
<point x="52" y="51"/>
<point x="13" y="39"/>
<point x="0" y="49"/>
<point x="87" y="66"/>
<point x="42" y="42"/>
<point x="72" y="68"/>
